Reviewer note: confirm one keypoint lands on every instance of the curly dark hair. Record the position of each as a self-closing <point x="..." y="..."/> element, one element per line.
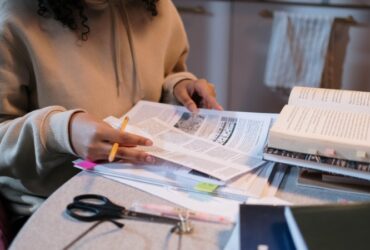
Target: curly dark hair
<point x="68" y="12"/>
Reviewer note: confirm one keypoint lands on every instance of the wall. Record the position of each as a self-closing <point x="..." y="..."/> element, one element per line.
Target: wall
<point x="208" y="26"/>
<point x="229" y="45"/>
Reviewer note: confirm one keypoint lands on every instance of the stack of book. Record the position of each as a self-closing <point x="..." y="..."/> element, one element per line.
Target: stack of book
<point x="323" y="129"/>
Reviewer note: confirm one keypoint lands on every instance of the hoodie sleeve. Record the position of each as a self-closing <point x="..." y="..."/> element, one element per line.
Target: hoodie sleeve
<point x="179" y="49"/>
<point x="32" y="142"/>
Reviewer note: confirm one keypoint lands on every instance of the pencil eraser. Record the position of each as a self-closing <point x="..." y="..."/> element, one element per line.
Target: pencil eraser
<point x="361" y="154"/>
<point x="87" y="165"/>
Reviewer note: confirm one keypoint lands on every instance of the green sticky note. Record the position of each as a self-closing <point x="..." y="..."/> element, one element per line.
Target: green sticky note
<point x="206" y="187"/>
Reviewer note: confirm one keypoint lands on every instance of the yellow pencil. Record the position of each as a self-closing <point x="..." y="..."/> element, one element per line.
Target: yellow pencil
<point x="114" y="149"/>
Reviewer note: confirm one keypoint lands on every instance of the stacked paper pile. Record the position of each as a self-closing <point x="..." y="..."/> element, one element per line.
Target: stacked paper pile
<point x="204" y="159"/>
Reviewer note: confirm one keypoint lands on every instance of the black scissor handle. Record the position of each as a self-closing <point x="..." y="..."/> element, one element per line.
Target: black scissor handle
<point x="83" y="212"/>
<point x="95" y="199"/>
<point x="98" y="201"/>
<point x="91" y="207"/>
<point x="90" y="196"/>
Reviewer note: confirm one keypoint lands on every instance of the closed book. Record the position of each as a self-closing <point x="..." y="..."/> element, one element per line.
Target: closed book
<point x="330" y="226"/>
<point x="262" y="226"/>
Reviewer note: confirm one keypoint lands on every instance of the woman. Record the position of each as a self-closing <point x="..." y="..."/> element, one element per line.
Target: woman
<point x="67" y="64"/>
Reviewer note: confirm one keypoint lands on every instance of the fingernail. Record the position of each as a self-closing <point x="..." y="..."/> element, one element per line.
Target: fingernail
<point x="194" y="109"/>
<point x="148" y="143"/>
<point x="149" y="159"/>
<point x="191" y="107"/>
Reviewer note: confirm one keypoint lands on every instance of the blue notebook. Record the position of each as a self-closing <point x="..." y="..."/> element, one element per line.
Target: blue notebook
<point x="264" y="225"/>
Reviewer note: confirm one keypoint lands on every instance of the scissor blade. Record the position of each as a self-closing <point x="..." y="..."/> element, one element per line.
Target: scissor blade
<point x="149" y="217"/>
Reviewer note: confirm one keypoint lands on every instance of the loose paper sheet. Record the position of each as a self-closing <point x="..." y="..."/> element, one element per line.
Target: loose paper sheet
<point x="221" y="144"/>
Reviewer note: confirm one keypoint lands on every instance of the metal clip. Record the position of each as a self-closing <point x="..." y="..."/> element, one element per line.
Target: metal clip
<point x="184" y="226"/>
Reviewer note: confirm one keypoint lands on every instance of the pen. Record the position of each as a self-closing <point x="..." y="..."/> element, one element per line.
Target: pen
<point x="164" y="210"/>
<point x="115" y="146"/>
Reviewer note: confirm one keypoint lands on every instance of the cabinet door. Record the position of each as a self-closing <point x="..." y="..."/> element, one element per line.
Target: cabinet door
<point x="207" y="24"/>
<point x="250" y="44"/>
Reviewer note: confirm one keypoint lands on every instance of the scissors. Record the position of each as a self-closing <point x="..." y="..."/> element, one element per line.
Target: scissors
<point x="93" y="207"/>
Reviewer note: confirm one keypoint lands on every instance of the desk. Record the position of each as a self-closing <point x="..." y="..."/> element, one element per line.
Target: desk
<point x="51" y="228"/>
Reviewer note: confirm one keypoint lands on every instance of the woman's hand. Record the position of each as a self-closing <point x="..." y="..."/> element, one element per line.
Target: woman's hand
<point x="194" y="94"/>
<point x="93" y="139"/>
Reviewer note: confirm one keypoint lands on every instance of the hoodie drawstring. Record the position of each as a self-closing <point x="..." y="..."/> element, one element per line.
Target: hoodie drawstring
<point x="100" y="5"/>
<point x="117" y="51"/>
<point x="139" y="93"/>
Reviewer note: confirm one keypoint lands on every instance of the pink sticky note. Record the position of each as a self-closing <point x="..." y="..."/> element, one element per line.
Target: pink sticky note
<point x="87" y="165"/>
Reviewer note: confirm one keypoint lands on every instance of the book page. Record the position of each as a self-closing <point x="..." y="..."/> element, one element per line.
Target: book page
<point x="355" y="101"/>
<point x="324" y="124"/>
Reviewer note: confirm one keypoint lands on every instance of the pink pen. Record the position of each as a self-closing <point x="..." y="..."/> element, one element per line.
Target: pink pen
<point x="164" y="210"/>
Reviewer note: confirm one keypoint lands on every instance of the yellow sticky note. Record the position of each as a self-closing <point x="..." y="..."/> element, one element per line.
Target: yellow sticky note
<point x="206" y="187"/>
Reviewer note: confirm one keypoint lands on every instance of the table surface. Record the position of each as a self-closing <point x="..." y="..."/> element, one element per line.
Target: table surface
<point x="51" y="228"/>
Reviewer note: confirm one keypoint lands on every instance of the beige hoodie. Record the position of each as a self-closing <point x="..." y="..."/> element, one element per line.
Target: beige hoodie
<point x="47" y="74"/>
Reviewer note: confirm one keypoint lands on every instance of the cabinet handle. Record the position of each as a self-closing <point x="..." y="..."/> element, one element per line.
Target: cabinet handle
<point x="193" y="10"/>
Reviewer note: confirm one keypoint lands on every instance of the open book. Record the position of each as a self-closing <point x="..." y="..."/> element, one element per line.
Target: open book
<point x="323" y="129"/>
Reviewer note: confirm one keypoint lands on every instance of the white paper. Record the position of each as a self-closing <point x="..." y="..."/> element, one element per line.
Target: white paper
<point x="278" y="176"/>
<point x="163" y="174"/>
<point x="221" y="144"/>
<point x="201" y="202"/>
<point x="197" y="202"/>
<point x="242" y="131"/>
<point x="197" y="153"/>
<point x="324" y="124"/>
<point x="339" y="99"/>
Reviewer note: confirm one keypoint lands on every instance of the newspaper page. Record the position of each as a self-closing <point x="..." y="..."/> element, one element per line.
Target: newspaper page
<point x="180" y="141"/>
<point x="242" y="131"/>
<point x="176" y="146"/>
<point x="206" y="156"/>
